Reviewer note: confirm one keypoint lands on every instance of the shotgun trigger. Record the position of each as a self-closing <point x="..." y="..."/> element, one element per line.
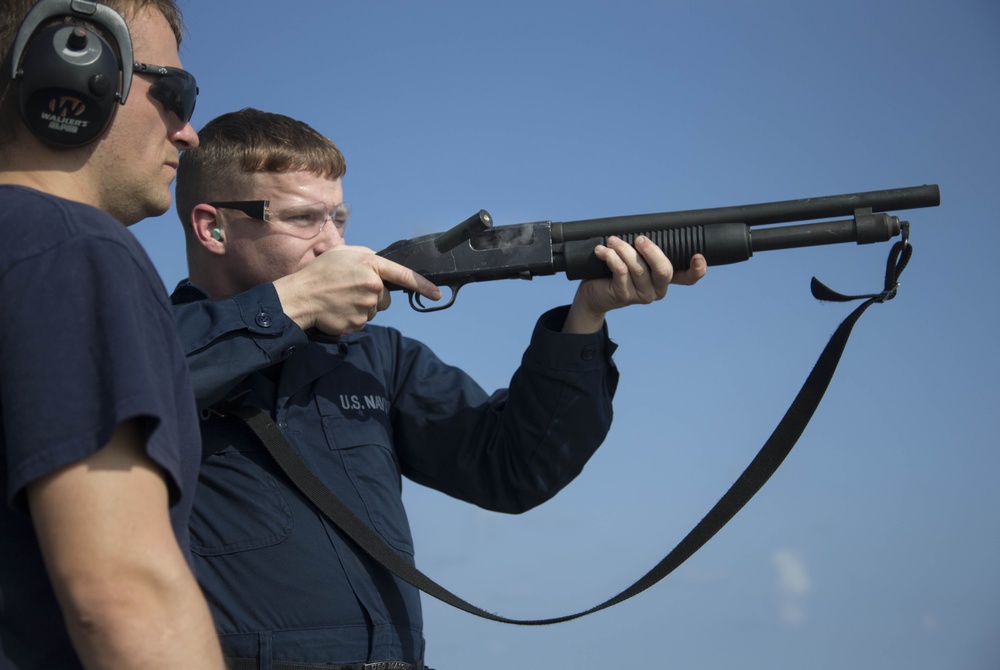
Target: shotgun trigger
<point x="417" y="301"/>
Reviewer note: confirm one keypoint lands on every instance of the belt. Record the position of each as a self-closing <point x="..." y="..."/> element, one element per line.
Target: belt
<point x="234" y="663"/>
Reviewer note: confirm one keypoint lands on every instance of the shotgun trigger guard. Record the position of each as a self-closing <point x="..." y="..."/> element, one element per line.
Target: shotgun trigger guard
<point x="417" y="302"/>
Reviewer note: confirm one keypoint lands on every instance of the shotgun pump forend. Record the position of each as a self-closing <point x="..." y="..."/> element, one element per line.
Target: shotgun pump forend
<point x="475" y="250"/>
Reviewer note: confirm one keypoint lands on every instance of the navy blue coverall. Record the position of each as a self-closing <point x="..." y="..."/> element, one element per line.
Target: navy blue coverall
<point x="282" y="582"/>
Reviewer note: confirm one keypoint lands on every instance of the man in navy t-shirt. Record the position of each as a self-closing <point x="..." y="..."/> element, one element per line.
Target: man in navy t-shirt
<point x="99" y="447"/>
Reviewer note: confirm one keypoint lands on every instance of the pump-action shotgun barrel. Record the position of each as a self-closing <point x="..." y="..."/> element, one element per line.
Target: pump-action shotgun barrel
<point x="476" y="250"/>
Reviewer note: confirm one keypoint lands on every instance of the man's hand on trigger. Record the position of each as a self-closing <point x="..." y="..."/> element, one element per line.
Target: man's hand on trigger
<point x="393" y="273"/>
<point x="344" y="288"/>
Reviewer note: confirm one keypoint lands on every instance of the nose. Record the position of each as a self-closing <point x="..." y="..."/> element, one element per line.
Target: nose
<point x="184" y="137"/>
<point x="329" y="237"/>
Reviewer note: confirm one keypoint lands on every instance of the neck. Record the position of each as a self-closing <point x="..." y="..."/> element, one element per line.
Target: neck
<point x="204" y="278"/>
<point x="62" y="173"/>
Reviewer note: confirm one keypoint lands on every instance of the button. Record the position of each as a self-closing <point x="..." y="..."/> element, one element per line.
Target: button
<point x="99" y="85"/>
<point x="282" y="424"/>
<point x="588" y="353"/>
<point x="77" y="40"/>
<point x="263" y="319"/>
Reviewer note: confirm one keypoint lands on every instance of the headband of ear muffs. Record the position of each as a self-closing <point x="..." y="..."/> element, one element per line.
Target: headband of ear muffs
<point x="70" y="79"/>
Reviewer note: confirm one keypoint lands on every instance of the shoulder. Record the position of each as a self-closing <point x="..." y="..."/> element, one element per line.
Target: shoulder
<point x="34" y="223"/>
<point x="56" y="240"/>
<point x="33" y="210"/>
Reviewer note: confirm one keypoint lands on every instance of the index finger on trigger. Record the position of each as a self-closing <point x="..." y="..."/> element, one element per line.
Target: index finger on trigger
<point x="407" y="279"/>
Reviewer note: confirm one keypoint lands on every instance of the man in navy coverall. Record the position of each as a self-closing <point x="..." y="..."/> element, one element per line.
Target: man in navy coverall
<point x="362" y="409"/>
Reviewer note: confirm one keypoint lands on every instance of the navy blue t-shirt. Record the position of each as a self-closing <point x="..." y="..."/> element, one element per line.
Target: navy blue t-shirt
<point x="87" y="341"/>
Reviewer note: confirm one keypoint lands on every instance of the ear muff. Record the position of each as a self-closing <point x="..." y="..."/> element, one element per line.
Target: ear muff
<point x="70" y="79"/>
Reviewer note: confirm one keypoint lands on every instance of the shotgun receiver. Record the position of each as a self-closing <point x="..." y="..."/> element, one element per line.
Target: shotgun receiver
<point x="475" y="250"/>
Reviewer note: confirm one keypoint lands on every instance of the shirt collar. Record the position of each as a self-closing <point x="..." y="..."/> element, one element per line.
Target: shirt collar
<point x="187" y="292"/>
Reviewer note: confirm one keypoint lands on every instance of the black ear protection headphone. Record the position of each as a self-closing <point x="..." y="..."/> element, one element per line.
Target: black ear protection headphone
<point x="70" y="79"/>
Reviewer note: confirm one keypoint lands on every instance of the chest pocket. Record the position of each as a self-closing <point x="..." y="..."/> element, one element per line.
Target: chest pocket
<point x="238" y="506"/>
<point x="361" y="443"/>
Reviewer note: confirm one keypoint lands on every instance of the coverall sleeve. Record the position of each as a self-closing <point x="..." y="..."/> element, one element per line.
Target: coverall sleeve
<point x="226" y="340"/>
<point x="518" y="447"/>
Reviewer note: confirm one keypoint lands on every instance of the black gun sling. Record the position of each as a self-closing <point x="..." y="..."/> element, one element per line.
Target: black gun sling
<point x="771" y="455"/>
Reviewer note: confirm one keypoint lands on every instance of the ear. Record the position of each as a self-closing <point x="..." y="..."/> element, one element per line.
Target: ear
<point x="204" y="220"/>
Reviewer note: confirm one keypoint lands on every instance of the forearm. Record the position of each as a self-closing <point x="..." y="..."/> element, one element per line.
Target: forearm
<point x="582" y="320"/>
<point x="226" y="340"/>
<point x="127" y="595"/>
<point x="141" y="616"/>
<point x="519" y="447"/>
<point x="558" y="412"/>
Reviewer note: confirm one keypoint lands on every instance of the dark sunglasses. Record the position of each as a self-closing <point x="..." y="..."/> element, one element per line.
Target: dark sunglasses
<point x="175" y="89"/>
<point x="255" y="209"/>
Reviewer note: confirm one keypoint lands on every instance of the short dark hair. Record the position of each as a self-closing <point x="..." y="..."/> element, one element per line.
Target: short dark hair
<point x="234" y="146"/>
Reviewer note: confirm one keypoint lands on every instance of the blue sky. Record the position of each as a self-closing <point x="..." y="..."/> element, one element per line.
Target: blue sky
<point x="875" y="545"/>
